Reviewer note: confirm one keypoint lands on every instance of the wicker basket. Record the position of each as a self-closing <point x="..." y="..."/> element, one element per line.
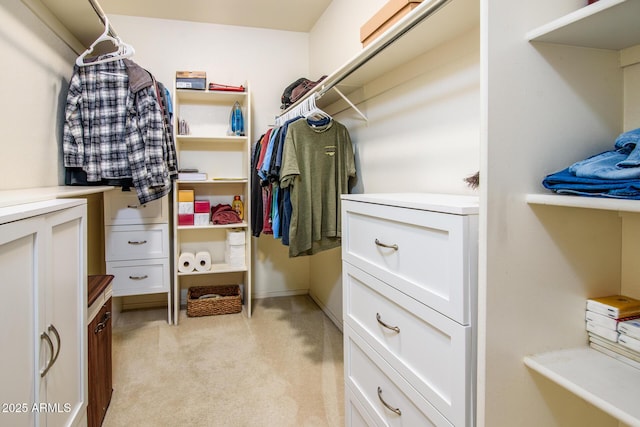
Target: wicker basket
<point x="223" y="300"/>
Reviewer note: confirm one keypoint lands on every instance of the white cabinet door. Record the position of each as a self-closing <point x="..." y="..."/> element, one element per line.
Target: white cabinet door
<point x="65" y="296"/>
<point x="43" y="301"/>
<point x="20" y="274"/>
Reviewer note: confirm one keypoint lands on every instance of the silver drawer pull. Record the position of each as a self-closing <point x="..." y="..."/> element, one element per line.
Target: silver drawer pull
<point x="103" y="323"/>
<point x="136" y="206"/>
<point x="386" y="405"/>
<point x="384" y="245"/>
<point x="138" y="277"/>
<point x="47" y="366"/>
<point x="137" y="242"/>
<point x="393" y="328"/>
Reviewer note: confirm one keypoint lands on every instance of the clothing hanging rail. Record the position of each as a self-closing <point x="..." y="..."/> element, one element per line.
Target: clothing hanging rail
<point x="419" y="14"/>
<point x="103" y="17"/>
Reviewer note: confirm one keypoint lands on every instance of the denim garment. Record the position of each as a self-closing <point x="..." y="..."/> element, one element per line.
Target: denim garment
<point x="629" y="140"/>
<point x="605" y="166"/>
<point x="565" y="182"/>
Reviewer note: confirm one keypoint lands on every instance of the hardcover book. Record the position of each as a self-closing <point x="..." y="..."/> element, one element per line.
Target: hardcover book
<point x="608" y="322"/>
<point x="630" y="327"/>
<point x="614" y="306"/>
<point x="616" y="356"/>
<point x="615" y="347"/>
<point x="609" y="334"/>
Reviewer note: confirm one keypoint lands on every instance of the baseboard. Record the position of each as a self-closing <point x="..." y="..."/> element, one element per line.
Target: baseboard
<point x="288" y="293"/>
<point x="327" y="312"/>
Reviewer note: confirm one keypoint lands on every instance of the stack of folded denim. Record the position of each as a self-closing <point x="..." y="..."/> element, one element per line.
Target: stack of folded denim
<point x="613" y="174"/>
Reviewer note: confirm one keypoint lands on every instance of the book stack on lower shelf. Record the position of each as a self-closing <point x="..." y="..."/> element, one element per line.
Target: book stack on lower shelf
<point x="613" y="324"/>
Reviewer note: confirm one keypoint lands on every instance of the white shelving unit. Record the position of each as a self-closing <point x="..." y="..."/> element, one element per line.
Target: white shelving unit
<point x="226" y="161"/>
<point x="597" y="378"/>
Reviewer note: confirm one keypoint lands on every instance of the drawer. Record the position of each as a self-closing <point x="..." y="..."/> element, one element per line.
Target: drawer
<point x="355" y="414"/>
<point x="430" y="256"/>
<point x="375" y="383"/>
<point x="129" y="242"/>
<point x="430" y="351"/>
<point x="139" y="277"/>
<point x="123" y="208"/>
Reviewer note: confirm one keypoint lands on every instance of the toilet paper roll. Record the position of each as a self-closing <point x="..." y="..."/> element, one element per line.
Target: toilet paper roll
<point x="203" y="261"/>
<point x="186" y="262"/>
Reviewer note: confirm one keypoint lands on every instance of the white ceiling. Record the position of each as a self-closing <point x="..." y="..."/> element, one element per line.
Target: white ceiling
<point x="290" y="15"/>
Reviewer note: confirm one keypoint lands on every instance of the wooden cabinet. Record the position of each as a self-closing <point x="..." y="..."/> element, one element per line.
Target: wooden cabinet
<point x="137" y="245"/>
<point x="99" y="334"/>
<point x="409" y="288"/>
<point x="43" y="299"/>
<point x="225" y="159"/>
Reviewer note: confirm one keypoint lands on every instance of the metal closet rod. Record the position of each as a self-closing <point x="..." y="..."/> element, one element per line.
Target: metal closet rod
<point x="422" y="12"/>
<point x="103" y="17"/>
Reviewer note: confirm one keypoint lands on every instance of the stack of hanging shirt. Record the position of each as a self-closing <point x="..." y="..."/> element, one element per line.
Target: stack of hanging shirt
<point x="116" y="128"/>
<point x="613" y="174"/>
<point x="300" y="170"/>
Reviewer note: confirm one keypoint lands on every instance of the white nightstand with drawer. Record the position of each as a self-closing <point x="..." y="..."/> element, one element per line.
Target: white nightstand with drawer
<point x="137" y="248"/>
<point x="409" y="307"/>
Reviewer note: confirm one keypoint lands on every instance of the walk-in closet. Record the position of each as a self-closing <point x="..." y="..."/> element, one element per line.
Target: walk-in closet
<point x="285" y="213"/>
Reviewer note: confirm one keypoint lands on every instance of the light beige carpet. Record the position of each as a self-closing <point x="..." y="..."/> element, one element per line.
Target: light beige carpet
<point x="283" y="367"/>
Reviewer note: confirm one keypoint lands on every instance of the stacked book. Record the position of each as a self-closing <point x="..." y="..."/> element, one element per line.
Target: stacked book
<point x="613" y="324"/>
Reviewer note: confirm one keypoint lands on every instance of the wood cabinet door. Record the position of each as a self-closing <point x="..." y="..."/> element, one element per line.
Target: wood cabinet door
<point x="100" y="371"/>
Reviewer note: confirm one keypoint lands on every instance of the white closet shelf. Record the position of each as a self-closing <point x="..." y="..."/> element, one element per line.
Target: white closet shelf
<point x="216" y="181"/>
<point x="597" y="378"/>
<point x="216" y="269"/>
<point x="405" y="40"/>
<point x="37" y="194"/>
<point x="211" y="138"/>
<point x="200" y="227"/>
<point x="606" y="24"/>
<point x="621" y="205"/>
<point x="190" y="95"/>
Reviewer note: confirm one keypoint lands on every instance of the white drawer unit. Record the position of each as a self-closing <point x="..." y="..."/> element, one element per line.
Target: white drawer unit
<point x="128" y="242"/>
<point x="137" y="245"/>
<point x="139" y="277"/>
<point x="409" y="306"/>
<point x="123" y="208"/>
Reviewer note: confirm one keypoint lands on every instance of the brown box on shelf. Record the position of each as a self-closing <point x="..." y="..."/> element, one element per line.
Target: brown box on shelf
<point x="191" y="80"/>
<point x="213" y="300"/>
<point x="390" y="13"/>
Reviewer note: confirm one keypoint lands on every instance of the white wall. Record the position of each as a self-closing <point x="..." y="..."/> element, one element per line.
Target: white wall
<point x="269" y="60"/>
<point x="33" y="82"/>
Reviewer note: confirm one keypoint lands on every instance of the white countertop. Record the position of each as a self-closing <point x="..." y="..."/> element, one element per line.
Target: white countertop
<point x="448" y="203"/>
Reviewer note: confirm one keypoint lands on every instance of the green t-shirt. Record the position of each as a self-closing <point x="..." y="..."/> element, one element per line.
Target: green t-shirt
<point x="316" y="166"/>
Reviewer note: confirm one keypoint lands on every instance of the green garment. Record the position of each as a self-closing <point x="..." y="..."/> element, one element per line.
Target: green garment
<point x="316" y="165"/>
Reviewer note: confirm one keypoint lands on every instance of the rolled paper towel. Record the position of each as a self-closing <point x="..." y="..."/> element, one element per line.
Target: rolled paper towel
<point x="203" y="261"/>
<point x="186" y="262"/>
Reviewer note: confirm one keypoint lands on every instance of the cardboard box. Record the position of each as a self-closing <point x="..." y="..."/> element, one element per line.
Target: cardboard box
<point x="390" y="13"/>
<point x="185" y="219"/>
<point x="186" y="196"/>
<point x="191" y="80"/>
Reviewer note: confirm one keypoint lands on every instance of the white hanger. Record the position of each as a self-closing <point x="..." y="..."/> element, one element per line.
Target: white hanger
<point x="312" y="111"/>
<point x="124" y="50"/>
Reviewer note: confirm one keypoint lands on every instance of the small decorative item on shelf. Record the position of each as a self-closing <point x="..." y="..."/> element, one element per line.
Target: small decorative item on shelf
<point x="236" y="121"/>
<point x="238" y="206"/>
<point x="183" y="127"/>
<point x="591" y="1"/>
<point x="226" y="88"/>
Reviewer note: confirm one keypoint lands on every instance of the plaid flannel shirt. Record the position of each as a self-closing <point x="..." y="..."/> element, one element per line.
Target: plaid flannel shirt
<point x="114" y="132"/>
